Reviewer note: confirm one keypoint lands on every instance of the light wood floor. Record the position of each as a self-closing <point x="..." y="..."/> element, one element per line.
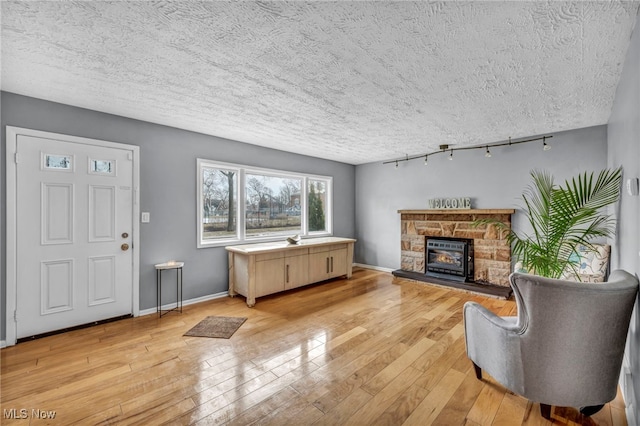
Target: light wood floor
<point x="369" y="350"/>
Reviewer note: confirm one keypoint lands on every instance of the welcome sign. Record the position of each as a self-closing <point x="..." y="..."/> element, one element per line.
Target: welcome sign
<point x="450" y="203"/>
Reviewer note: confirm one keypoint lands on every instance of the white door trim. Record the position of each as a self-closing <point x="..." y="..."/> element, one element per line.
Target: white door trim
<point x="11" y="217"/>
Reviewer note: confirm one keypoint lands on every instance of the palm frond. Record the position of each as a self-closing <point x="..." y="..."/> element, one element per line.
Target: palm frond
<point x="562" y="218"/>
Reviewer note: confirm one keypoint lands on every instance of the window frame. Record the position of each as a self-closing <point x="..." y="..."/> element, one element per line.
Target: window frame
<point x="242" y="171"/>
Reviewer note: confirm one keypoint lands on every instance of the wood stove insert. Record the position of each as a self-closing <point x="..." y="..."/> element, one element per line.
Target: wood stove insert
<point x="449" y="258"/>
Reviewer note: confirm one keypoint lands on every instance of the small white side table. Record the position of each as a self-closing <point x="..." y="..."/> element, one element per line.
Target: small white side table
<point x="162" y="267"/>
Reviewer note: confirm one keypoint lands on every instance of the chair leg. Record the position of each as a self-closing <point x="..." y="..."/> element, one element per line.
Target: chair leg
<point x="545" y="411"/>
<point x="478" y="371"/>
<point x="591" y="409"/>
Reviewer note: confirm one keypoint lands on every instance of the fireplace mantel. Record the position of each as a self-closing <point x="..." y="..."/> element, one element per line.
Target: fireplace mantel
<point x="492" y="253"/>
<point x="459" y="211"/>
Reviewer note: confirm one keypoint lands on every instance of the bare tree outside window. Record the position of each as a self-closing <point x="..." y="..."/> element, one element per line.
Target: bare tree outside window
<point x="218" y="203"/>
<point x="272" y="205"/>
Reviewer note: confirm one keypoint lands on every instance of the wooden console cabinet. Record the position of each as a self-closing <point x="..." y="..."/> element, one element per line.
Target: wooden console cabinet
<point x="256" y="270"/>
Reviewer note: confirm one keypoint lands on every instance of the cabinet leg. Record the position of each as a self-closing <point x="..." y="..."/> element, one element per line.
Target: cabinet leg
<point x="251" y="302"/>
<point x="232" y="282"/>
<point x="349" y="260"/>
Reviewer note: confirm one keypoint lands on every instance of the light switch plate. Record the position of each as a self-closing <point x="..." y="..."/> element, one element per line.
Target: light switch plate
<point x="146" y="217"/>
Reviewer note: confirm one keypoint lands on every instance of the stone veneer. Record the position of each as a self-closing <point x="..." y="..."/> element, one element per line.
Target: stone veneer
<point x="492" y="254"/>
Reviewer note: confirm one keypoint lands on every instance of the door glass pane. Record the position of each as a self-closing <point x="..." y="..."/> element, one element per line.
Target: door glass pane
<point x="219" y="203"/>
<point x="272" y="205"/>
<point x="317" y="205"/>
<point x="60" y="162"/>
<point x="105" y="167"/>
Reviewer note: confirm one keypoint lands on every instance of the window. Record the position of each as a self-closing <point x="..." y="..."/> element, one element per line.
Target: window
<point x="57" y="162"/>
<point x="239" y="203"/>
<point x="317" y="205"/>
<point x="272" y="205"/>
<point x="102" y="167"/>
<point x="218" y="197"/>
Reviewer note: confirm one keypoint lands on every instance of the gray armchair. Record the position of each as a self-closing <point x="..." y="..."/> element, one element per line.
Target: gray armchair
<point x="566" y="345"/>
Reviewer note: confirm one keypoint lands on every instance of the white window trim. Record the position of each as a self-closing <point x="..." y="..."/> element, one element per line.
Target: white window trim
<point x="242" y="170"/>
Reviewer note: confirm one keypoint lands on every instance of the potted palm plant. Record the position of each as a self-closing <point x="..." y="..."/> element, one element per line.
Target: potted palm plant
<point x="562" y="218"/>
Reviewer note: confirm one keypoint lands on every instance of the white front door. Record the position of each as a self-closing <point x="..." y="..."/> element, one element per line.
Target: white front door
<point x="74" y="233"/>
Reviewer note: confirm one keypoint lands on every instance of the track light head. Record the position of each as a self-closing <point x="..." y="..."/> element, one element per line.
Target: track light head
<point x="426" y="157"/>
<point x="545" y="147"/>
<point x="396" y="164"/>
<point x="451" y="155"/>
<point x="488" y="153"/>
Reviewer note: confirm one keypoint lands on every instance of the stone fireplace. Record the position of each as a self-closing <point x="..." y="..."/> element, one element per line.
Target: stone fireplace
<point x="491" y="252"/>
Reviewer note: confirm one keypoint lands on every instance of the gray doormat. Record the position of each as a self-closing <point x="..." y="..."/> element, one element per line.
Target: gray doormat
<point x="221" y="327"/>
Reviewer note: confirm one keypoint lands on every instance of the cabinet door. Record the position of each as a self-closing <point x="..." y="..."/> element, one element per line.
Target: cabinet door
<point x="338" y="262"/>
<point x="269" y="276"/>
<point x="296" y="272"/>
<point x="318" y="266"/>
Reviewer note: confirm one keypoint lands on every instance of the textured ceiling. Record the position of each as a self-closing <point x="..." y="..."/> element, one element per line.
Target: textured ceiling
<point x="350" y="81"/>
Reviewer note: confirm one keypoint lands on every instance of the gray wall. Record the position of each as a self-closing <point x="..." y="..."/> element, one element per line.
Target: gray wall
<point x="624" y="149"/>
<point x="495" y="182"/>
<point x="168" y="186"/>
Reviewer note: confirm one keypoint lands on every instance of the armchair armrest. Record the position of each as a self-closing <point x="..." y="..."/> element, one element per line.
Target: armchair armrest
<point x="493" y="344"/>
<point x="476" y="309"/>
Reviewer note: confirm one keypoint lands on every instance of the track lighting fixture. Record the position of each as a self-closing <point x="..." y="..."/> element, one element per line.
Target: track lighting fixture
<point x="487" y="153"/>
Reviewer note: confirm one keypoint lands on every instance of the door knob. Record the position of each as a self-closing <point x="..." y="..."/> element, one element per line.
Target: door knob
<point x="124" y="247"/>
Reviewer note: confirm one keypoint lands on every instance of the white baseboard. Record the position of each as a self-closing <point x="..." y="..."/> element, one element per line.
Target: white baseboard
<point x="628" y="392"/>
<point x="631" y="415"/>
<point x="3" y="344"/>
<point x="376" y="268"/>
<point x="186" y="302"/>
